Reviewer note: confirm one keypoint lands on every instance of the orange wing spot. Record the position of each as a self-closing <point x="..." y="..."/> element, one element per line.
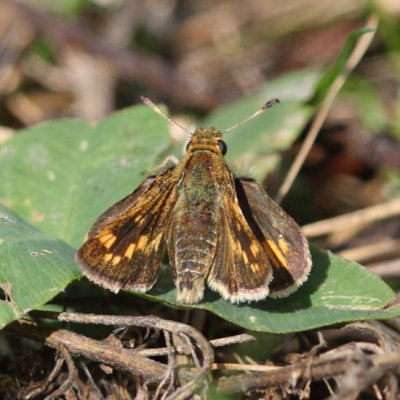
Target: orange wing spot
<point x="157" y="241"/>
<point x="141" y="243"/>
<point x="283" y="245"/>
<point x="254" y="267"/>
<point x="277" y="254"/>
<point x="116" y="260"/>
<point x="108" y="239"/>
<point x="254" y="249"/>
<point x="245" y="258"/>
<point x="108" y="257"/>
<point x="129" y="251"/>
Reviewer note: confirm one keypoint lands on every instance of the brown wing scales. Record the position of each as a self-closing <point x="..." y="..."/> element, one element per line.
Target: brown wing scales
<point x="241" y="270"/>
<point x="124" y="247"/>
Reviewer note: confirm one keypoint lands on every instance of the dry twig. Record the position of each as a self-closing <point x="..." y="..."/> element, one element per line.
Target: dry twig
<point x="127" y="359"/>
<point x="359" y="217"/>
<point x="354" y="366"/>
<point x="352" y="62"/>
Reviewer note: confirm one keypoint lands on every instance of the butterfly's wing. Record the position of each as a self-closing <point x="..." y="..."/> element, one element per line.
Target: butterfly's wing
<point x="279" y="235"/>
<point x="241" y="270"/>
<point x="124" y="247"/>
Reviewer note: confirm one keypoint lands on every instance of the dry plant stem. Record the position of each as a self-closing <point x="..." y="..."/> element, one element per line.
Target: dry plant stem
<point x="226" y="341"/>
<point x="245" y="367"/>
<point x="366" y="376"/>
<point x="125" y="359"/>
<point x="144" y="322"/>
<point x="11" y="47"/>
<point x="91" y="380"/>
<point x="351" y="384"/>
<point x="192" y="350"/>
<point x="184" y="392"/>
<point x="389" y="269"/>
<point x="367" y="252"/>
<point x="334" y="363"/>
<point x="358" y="52"/>
<point x="72" y="374"/>
<point x="118" y="357"/>
<point x="359" y="217"/>
<point x="56" y="369"/>
<point x="221" y="342"/>
<point x="395" y="324"/>
<point x="169" y="375"/>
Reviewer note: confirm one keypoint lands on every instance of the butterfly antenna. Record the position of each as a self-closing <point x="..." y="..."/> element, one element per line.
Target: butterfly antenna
<point x="149" y="103"/>
<point x="268" y="104"/>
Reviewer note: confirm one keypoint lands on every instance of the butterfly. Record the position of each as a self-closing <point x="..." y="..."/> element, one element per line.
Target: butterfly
<point x="215" y="228"/>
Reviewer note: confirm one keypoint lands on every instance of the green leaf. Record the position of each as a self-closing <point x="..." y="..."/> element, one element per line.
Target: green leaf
<point x="370" y="107"/>
<point x="60" y="176"/>
<point x="327" y="80"/>
<point x="34" y="266"/>
<point x="70" y="8"/>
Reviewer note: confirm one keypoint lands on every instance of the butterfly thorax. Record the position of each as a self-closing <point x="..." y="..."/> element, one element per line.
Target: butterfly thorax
<point x="194" y="229"/>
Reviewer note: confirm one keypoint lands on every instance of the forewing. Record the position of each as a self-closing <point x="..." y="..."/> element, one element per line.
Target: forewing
<point x="124" y="247"/>
<point x="241" y="270"/>
<point x="279" y="235"/>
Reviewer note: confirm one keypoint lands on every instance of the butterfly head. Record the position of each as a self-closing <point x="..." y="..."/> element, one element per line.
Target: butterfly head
<point x="207" y="139"/>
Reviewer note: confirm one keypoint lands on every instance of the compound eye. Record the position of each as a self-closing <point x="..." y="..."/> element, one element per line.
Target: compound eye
<point x="188" y="145"/>
<point x="222" y="146"/>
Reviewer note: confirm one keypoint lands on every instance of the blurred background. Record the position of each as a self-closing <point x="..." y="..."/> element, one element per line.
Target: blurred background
<point x="87" y="58"/>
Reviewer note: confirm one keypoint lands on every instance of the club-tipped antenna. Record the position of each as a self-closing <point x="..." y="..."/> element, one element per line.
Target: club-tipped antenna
<point x="268" y="104"/>
<point x="148" y="102"/>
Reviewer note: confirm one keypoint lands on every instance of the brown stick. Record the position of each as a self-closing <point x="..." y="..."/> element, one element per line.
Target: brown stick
<point x="336" y="362"/>
<point x="355" y="218"/>
<point x="72" y="374"/>
<point x="151" y="322"/>
<point x="119" y="357"/>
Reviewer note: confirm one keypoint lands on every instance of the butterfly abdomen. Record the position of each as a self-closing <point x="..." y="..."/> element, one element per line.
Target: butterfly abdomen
<point x="194" y="234"/>
<point x="194" y="257"/>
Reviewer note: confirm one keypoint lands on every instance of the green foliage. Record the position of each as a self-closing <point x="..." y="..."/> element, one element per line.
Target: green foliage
<point x="61" y="175"/>
<point x="70" y="8"/>
<point x="339" y="66"/>
<point x="369" y="105"/>
<point x="34" y="266"/>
